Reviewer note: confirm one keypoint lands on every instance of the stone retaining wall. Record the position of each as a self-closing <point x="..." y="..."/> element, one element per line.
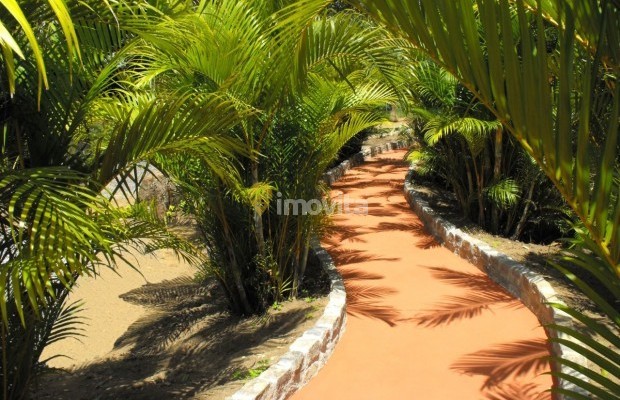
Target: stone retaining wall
<point x="534" y="291"/>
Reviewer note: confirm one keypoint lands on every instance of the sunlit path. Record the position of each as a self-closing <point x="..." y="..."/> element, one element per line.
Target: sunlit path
<point x="422" y="322"/>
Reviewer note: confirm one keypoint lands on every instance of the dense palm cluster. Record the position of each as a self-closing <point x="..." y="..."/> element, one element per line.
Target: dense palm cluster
<point x="238" y="102"/>
<point x="463" y="148"/>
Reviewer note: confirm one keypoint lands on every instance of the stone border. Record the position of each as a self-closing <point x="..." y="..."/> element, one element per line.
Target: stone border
<point x="332" y="176"/>
<point x="309" y="353"/>
<point x="534" y="291"/>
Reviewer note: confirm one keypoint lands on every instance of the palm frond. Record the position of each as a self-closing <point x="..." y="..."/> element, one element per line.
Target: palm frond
<point x="504" y="193"/>
<point x="17" y="20"/>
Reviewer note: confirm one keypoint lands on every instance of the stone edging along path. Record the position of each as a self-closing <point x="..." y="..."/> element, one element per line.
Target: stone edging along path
<point x="310" y="351"/>
<point x="534" y="291"/>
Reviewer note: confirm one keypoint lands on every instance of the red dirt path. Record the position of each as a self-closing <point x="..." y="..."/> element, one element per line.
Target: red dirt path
<point x="422" y="322"/>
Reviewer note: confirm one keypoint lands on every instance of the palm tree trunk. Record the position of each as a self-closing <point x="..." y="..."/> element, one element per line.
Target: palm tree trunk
<point x="523" y="220"/>
<point x="258" y="217"/>
<point x="479" y="180"/>
<point x="497" y="174"/>
<point x="470" y="180"/>
<point x="302" y="265"/>
<point x="233" y="267"/>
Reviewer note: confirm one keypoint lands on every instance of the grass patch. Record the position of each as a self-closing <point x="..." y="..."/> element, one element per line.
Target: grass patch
<point x="250" y="373"/>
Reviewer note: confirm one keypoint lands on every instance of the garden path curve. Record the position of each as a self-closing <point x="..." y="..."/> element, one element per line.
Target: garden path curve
<point x="422" y="322"/>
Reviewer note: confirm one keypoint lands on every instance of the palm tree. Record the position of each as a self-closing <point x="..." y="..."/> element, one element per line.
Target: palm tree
<point x="62" y="147"/>
<point x="298" y="112"/>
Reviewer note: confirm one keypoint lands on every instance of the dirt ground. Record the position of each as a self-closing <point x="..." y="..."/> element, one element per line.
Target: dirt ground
<point x="159" y="334"/>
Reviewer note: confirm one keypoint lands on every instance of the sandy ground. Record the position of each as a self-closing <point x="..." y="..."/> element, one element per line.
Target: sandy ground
<point x="106" y="313"/>
<point x="423" y="323"/>
<point x="162" y="335"/>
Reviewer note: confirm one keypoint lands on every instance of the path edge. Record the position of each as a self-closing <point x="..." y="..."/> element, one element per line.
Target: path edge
<point x="309" y="353"/>
<point x="525" y="284"/>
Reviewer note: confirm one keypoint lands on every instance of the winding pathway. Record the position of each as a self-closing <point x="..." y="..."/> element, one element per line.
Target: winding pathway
<point x="422" y="322"/>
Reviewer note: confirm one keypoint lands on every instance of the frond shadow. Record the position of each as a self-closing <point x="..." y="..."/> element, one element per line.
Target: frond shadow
<point x="380" y="210"/>
<point x="466" y="280"/>
<point x="517" y="391"/>
<point x="455" y="308"/>
<point x="482" y="293"/>
<point x="204" y="355"/>
<point x="167" y="293"/>
<point x="387" y="193"/>
<point x="427" y="243"/>
<point x="177" y="306"/>
<point x="506" y="360"/>
<point x="398" y="226"/>
<point x="345" y="257"/>
<point x="363" y="299"/>
<point x="350" y="274"/>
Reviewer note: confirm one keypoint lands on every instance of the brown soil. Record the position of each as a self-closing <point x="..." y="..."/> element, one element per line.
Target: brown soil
<point x="159" y="334"/>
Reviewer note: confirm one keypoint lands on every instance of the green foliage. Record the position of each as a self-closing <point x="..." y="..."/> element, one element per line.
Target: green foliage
<point x="460" y="148"/>
<point x="22" y="345"/>
<point x="299" y="98"/>
<point x="251" y="373"/>
<point x="13" y="18"/>
<point x="61" y="148"/>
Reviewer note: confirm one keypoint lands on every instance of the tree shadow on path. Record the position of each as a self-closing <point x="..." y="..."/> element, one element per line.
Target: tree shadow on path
<point x="503" y="364"/>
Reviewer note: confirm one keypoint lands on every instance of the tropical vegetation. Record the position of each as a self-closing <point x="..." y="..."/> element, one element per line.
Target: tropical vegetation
<point x="57" y="220"/>
<point x="244" y="102"/>
<point x="462" y="147"/>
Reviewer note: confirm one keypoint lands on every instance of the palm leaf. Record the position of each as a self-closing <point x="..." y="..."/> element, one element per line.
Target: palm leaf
<point x="504" y="193"/>
<point x="9" y="43"/>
